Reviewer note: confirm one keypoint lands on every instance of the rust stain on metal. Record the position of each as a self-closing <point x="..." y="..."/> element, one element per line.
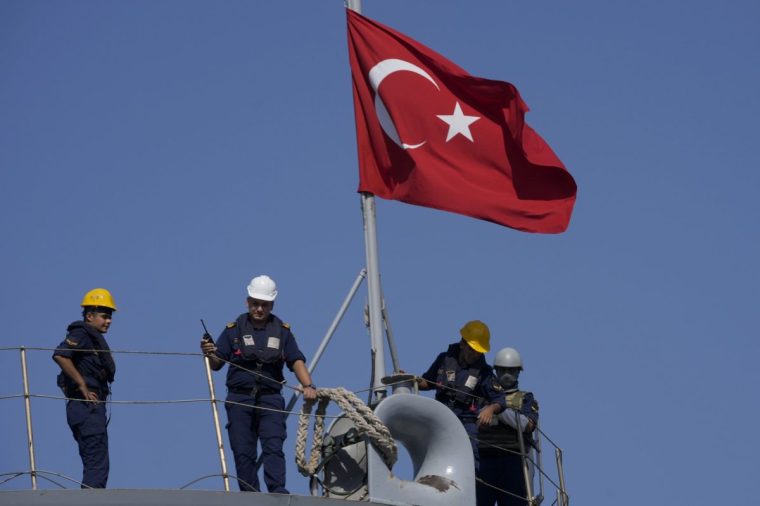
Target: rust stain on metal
<point x="439" y="483"/>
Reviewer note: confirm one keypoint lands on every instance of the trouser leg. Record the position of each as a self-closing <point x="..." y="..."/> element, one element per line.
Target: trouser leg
<point x="88" y="426"/>
<point x="94" y="453"/>
<point x="504" y="483"/>
<point x="243" y="440"/>
<point x="272" y="433"/>
<point x="472" y="433"/>
<point x="488" y="478"/>
<point x="513" y="480"/>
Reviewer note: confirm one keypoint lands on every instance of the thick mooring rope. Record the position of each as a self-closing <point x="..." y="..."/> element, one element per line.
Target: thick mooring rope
<point x="362" y="416"/>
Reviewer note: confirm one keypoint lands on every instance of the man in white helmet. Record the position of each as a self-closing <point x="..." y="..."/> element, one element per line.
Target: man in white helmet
<point x="257" y="345"/>
<point x="499" y="445"/>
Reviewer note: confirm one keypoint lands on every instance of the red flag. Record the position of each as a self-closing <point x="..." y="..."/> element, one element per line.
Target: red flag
<point x="430" y="134"/>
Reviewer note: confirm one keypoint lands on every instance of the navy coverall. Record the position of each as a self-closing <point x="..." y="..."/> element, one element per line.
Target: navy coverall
<point x="465" y="389"/>
<point x="87" y="420"/>
<point x="500" y="459"/>
<point x="264" y="351"/>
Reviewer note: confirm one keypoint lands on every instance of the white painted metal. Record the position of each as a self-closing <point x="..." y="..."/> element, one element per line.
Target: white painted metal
<point x="444" y="469"/>
<point x="28" y="407"/>
<point x="217" y="426"/>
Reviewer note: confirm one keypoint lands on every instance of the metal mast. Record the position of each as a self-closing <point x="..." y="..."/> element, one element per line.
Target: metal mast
<point x="374" y="293"/>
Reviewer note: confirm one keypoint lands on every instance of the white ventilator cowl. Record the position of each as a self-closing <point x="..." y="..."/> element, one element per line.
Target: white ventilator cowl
<point x="262" y="288"/>
<point x="508" y="357"/>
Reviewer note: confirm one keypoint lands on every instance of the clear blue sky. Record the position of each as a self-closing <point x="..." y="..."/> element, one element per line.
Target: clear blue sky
<point x="169" y="151"/>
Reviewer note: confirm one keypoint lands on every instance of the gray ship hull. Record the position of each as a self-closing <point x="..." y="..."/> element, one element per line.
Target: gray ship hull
<point x="155" y="497"/>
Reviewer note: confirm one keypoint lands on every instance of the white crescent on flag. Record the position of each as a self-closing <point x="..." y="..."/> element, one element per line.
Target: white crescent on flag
<point x="376" y="75"/>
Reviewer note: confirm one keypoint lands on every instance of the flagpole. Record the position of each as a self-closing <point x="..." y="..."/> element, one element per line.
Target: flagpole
<point x="374" y="298"/>
<point x="373" y="277"/>
<point x="354" y="5"/>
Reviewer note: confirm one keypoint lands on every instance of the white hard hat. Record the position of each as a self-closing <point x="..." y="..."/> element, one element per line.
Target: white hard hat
<point x="262" y="288"/>
<point x="508" y="357"/>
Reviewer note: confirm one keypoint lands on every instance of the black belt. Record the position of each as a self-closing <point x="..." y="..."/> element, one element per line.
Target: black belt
<point x="454" y="403"/>
<point x="75" y="393"/>
<point x="253" y="391"/>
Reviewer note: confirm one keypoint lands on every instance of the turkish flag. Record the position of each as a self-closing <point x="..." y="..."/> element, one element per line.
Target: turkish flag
<point x="430" y="134"/>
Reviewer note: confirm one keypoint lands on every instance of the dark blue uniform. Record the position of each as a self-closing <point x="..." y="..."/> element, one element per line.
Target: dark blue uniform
<point x="87" y="420"/>
<point x="264" y="351"/>
<point x="500" y="458"/>
<point x="464" y="389"/>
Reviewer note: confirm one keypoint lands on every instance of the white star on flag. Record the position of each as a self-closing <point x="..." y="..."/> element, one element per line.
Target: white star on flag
<point x="458" y="123"/>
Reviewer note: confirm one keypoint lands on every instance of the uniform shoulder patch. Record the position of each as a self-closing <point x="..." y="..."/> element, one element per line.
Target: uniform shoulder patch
<point x="231" y="325"/>
<point x="286" y="325"/>
<point x="497" y="386"/>
<point x="534" y="407"/>
<point x="71" y="342"/>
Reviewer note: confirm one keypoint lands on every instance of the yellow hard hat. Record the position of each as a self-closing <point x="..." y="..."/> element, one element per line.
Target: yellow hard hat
<point x="476" y="334"/>
<point x="99" y="297"/>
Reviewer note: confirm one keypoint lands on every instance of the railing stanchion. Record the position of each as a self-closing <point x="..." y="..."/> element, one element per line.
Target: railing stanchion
<point x="561" y="474"/>
<point x="523" y="455"/>
<point x="28" y="406"/>
<point x="539" y="460"/>
<point x="217" y="427"/>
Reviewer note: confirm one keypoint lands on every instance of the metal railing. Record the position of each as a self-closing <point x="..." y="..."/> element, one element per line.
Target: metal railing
<point x="531" y="454"/>
<point x="532" y="463"/>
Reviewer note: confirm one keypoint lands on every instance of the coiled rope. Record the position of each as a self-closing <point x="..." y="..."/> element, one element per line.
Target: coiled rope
<point x="366" y="422"/>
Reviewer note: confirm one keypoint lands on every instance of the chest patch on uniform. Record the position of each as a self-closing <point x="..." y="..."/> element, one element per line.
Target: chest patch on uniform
<point x="248" y="340"/>
<point x="471" y="382"/>
<point x="451" y="376"/>
<point x="273" y="342"/>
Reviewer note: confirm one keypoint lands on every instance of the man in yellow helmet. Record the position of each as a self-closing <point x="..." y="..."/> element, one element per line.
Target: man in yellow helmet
<point x="87" y="369"/>
<point x="465" y="383"/>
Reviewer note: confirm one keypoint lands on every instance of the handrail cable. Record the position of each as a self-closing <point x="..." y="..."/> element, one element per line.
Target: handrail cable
<point x="42" y="474"/>
<point x="228" y="475"/>
<point x="515" y="452"/>
<point x="309" y="469"/>
<point x="231" y="364"/>
<point x="235" y="403"/>
<point x="551" y="442"/>
<point x="171" y="401"/>
<point x="304" y="413"/>
<point x="501" y="489"/>
<point x="437" y="385"/>
<point x="125" y="352"/>
<point x="173" y="353"/>
<point x="49" y="479"/>
<point x="15" y="474"/>
<point x="231" y="402"/>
